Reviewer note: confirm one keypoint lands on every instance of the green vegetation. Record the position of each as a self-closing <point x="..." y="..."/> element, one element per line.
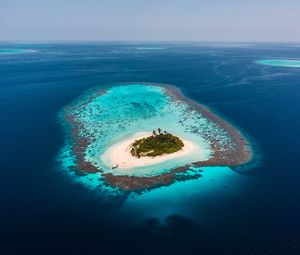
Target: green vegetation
<point x="157" y="144"/>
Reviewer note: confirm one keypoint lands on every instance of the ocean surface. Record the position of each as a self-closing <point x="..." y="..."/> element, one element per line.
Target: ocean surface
<point x="254" y="210"/>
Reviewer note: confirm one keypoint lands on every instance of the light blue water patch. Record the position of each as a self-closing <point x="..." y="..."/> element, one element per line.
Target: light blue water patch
<point x="15" y="51"/>
<point x="280" y="62"/>
<point x="90" y="181"/>
<point x="179" y="198"/>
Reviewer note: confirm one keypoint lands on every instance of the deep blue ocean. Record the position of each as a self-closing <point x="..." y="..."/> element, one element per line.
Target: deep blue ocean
<point x="43" y="212"/>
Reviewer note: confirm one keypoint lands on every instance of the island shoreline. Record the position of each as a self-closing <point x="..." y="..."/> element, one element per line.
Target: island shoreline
<point x="126" y="160"/>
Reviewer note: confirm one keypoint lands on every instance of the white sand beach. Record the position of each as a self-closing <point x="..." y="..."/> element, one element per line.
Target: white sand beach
<point x="119" y="154"/>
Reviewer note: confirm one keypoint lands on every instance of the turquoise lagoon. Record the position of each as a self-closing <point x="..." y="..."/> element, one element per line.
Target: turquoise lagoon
<point x="280" y="62"/>
<point x="122" y="110"/>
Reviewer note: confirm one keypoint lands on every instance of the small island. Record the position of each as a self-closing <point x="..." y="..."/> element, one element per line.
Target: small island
<point x="159" y="143"/>
<point x="147" y="148"/>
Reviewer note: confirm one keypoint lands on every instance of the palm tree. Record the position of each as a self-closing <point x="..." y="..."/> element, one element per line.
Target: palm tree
<point x="159" y="130"/>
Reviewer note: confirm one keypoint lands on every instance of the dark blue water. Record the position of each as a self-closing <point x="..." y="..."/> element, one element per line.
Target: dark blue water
<point x="42" y="212"/>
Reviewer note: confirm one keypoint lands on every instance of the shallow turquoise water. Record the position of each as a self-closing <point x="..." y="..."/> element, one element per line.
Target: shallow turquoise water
<point x="280" y="62"/>
<point x="15" y="51"/>
<point x="126" y="109"/>
<point x="179" y="197"/>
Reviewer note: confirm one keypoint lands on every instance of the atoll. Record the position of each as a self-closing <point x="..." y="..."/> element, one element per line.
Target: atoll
<point x="106" y="122"/>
